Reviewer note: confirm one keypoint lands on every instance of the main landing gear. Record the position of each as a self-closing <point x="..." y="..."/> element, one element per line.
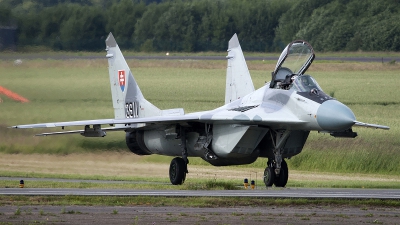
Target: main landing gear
<point x="178" y="167"/>
<point x="177" y="171"/>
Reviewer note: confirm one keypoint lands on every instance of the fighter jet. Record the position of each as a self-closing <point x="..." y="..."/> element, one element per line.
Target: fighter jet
<point x="272" y="122"/>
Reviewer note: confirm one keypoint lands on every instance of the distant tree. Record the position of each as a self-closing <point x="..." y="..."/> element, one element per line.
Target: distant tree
<point x="206" y="25"/>
<point x="5" y="15"/>
<point x="319" y="25"/>
<point x="28" y="30"/>
<point x="52" y="19"/>
<point x="145" y="26"/>
<point x="25" y="7"/>
<point x="212" y="26"/>
<point x="338" y="25"/>
<point x="295" y="18"/>
<point x="175" y="28"/>
<point x="84" y="29"/>
<point x="10" y="3"/>
<point x="122" y="18"/>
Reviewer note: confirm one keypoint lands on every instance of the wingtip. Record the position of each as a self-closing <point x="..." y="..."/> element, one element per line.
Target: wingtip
<point x="110" y="41"/>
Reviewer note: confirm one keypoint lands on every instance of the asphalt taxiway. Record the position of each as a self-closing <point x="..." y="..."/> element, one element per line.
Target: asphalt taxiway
<point x="259" y="192"/>
<point x="266" y="193"/>
<point x="275" y="214"/>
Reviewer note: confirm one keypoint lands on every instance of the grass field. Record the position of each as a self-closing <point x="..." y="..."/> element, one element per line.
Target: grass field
<point x="147" y="174"/>
<point x="79" y="89"/>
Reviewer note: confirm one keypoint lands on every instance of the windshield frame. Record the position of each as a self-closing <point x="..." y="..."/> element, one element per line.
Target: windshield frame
<point x="305" y="83"/>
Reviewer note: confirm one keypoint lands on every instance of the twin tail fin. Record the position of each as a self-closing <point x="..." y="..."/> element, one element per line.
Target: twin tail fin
<point x="128" y="100"/>
<point x="238" y="79"/>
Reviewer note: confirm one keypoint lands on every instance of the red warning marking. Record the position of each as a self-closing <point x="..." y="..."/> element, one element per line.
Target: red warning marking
<point x="12" y="95"/>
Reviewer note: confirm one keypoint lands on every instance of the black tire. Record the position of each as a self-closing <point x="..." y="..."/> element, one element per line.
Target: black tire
<point x="269" y="176"/>
<point x="177" y="171"/>
<point x="281" y="181"/>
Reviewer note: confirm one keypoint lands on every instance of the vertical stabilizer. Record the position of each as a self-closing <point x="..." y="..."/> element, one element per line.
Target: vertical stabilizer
<point x="128" y="100"/>
<point x="238" y="79"/>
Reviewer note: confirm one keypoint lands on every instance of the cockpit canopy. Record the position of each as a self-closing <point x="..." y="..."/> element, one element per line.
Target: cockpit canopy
<point x="295" y="59"/>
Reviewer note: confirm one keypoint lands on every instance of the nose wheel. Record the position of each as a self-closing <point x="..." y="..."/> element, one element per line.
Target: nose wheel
<point x="177" y="171"/>
<point x="270" y="177"/>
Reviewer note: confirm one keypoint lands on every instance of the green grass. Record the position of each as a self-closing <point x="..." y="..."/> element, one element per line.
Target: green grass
<point x="369" y="153"/>
<point x="79" y="89"/>
<point x="188" y="201"/>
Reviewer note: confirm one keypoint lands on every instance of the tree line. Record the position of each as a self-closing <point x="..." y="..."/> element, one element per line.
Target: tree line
<point x="205" y="25"/>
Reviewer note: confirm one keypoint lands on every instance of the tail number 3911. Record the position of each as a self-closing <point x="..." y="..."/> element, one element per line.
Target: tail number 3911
<point x="132" y="109"/>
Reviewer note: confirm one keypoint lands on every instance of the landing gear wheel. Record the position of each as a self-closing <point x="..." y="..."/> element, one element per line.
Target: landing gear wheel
<point x="281" y="180"/>
<point x="177" y="171"/>
<point x="269" y="176"/>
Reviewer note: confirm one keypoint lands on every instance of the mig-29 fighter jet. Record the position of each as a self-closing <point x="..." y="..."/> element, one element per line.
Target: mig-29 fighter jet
<point x="272" y="122"/>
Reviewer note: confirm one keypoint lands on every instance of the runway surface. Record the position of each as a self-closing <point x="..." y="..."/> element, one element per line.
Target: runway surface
<point x="266" y="193"/>
<point x="144" y="214"/>
<point x="250" y="58"/>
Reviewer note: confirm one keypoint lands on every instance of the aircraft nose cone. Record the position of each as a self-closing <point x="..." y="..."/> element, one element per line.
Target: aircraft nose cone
<point x="332" y="115"/>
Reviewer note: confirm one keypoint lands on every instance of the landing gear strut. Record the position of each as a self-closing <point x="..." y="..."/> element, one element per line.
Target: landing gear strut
<point x="277" y="171"/>
<point x="281" y="180"/>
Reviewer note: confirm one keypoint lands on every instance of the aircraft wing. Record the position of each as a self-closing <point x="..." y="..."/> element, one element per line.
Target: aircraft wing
<point x="133" y="123"/>
<point x="154" y="119"/>
<point x="376" y="126"/>
<point x="97" y="131"/>
<point x="80" y="131"/>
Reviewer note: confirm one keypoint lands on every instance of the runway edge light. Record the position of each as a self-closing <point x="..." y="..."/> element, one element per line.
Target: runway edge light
<point x="246" y="183"/>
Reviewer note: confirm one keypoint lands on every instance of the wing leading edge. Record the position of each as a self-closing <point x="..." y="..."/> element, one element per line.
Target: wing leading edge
<point x="111" y="122"/>
<point x="134" y="123"/>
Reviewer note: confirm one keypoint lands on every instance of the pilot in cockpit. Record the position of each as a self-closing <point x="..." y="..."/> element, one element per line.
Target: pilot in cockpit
<point x="287" y="83"/>
<point x="305" y="81"/>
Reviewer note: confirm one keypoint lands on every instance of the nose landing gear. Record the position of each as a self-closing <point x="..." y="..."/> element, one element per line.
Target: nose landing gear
<point x="277" y="171"/>
<point x="270" y="177"/>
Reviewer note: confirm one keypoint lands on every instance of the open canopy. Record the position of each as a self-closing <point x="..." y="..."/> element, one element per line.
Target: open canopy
<point x="295" y="59"/>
